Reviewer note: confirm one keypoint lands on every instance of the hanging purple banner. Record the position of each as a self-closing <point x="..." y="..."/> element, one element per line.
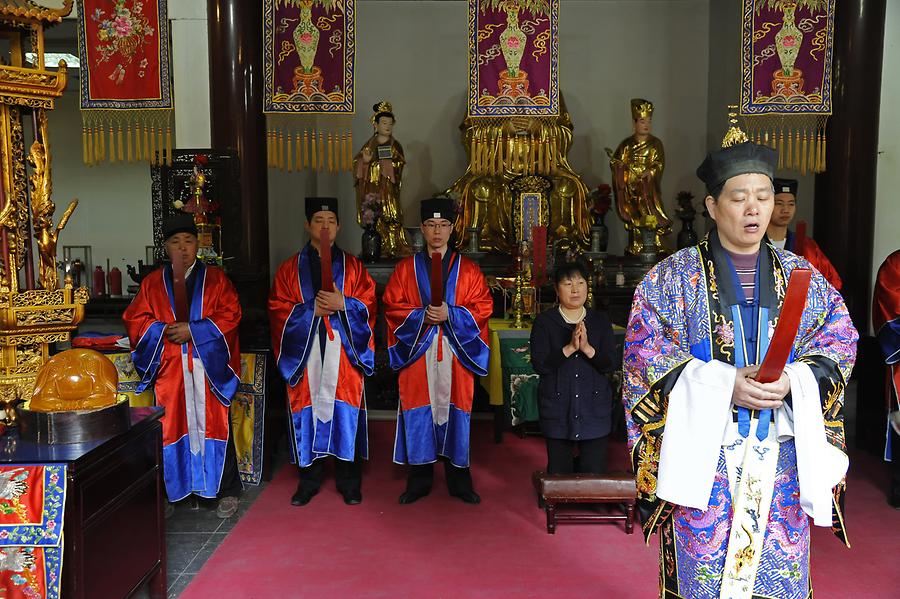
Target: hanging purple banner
<point x="513" y="58"/>
<point x="310" y="46"/>
<point x="786" y="51"/>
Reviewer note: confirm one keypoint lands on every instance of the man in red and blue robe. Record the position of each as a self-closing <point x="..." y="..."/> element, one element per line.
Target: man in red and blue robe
<point x="784" y="238"/>
<point x="193" y="366"/>
<point x="324" y="345"/>
<point x="438" y="350"/>
<point x="886" y="322"/>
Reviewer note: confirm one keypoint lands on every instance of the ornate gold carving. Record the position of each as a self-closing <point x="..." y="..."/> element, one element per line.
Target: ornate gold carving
<point x="18" y="78"/>
<point x="39" y="317"/>
<point x="42" y="207"/>
<point x="29" y="102"/>
<point x="29" y="356"/>
<point x="18" y="192"/>
<point x="16" y="340"/>
<point x="28" y="369"/>
<point x="38" y="297"/>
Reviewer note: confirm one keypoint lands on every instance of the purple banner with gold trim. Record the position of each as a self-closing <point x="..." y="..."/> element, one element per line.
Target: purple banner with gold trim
<point x="308" y="62"/>
<point x="513" y="58"/>
<point x="786" y="53"/>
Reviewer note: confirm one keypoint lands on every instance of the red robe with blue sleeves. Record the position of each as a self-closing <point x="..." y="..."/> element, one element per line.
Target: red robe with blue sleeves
<point x="195" y="381"/>
<point x="437" y="363"/>
<point x="886" y="322"/>
<point x="816" y="257"/>
<point x="326" y="393"/>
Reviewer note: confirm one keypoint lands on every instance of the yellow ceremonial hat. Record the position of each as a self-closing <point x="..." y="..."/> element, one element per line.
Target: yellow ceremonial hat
<point x="641" y="109"/>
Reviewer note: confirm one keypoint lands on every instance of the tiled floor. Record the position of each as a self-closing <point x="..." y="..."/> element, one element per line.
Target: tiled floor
<point x="192" y="535"/>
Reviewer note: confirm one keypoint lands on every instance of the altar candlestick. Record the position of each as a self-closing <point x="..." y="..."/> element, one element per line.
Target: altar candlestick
<point x="325" y="254"/>
<point x="437" y="283"/>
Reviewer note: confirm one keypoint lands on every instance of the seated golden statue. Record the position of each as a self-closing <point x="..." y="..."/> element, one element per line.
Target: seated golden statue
<point x="500" y="149"/>
<point x="76" y="379"/>
<point x="637" y="166"/>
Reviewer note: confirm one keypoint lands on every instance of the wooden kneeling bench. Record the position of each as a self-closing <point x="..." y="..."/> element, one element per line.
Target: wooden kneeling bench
<point x="613" y="487"/>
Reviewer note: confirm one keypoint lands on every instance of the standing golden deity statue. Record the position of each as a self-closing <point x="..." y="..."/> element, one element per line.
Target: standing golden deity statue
<point x="503" y="148"/>
<point x="637" y="167"/>
<point x="42" y="208"/>
<point x="378" y="168"/>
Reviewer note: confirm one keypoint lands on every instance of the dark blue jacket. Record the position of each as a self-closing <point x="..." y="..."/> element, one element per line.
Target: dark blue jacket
<point x="575" y="395"/>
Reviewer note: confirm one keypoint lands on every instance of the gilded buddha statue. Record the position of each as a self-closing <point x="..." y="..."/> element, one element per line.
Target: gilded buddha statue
<point x="500" y="149"/>
<point x="637" y="167"/>
<point x="378" y="169"/>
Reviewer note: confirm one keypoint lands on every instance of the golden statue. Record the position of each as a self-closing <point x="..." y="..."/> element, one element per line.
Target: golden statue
<point x="76" y="379"/>
<point x="637" y="166"/>
<point x="379" y="168"/>
<point x="500" y="149"/>
<point x="42" y="208"/>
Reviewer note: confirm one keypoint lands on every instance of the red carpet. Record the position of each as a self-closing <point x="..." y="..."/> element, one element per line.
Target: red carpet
<point x="440" y="547"/>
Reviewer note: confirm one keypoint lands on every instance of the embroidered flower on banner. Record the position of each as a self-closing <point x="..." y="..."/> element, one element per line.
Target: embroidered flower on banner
<point x="121" y="32"/>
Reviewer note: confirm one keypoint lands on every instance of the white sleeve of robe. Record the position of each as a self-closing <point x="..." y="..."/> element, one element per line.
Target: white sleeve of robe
<point x="699" y="411"/>
<point x="820" y="465"/>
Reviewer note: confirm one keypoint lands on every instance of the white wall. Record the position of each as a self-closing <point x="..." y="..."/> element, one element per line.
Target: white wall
<point x="414" y="54"/>
<point x="190" y="70"/>
<point x="113" y="214"/>
<point x="887" y="216"/>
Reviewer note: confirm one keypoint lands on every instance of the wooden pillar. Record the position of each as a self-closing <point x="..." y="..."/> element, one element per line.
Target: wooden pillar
<point x="237" y="122"/>
<point x="845" y="192"/>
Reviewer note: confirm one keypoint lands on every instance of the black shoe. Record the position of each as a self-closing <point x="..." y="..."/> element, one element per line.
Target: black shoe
<point x="411" y="497"/>
<point x="353" y="497"/>
<point x="302" y="496"/>
<point x="468" y="496"/>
